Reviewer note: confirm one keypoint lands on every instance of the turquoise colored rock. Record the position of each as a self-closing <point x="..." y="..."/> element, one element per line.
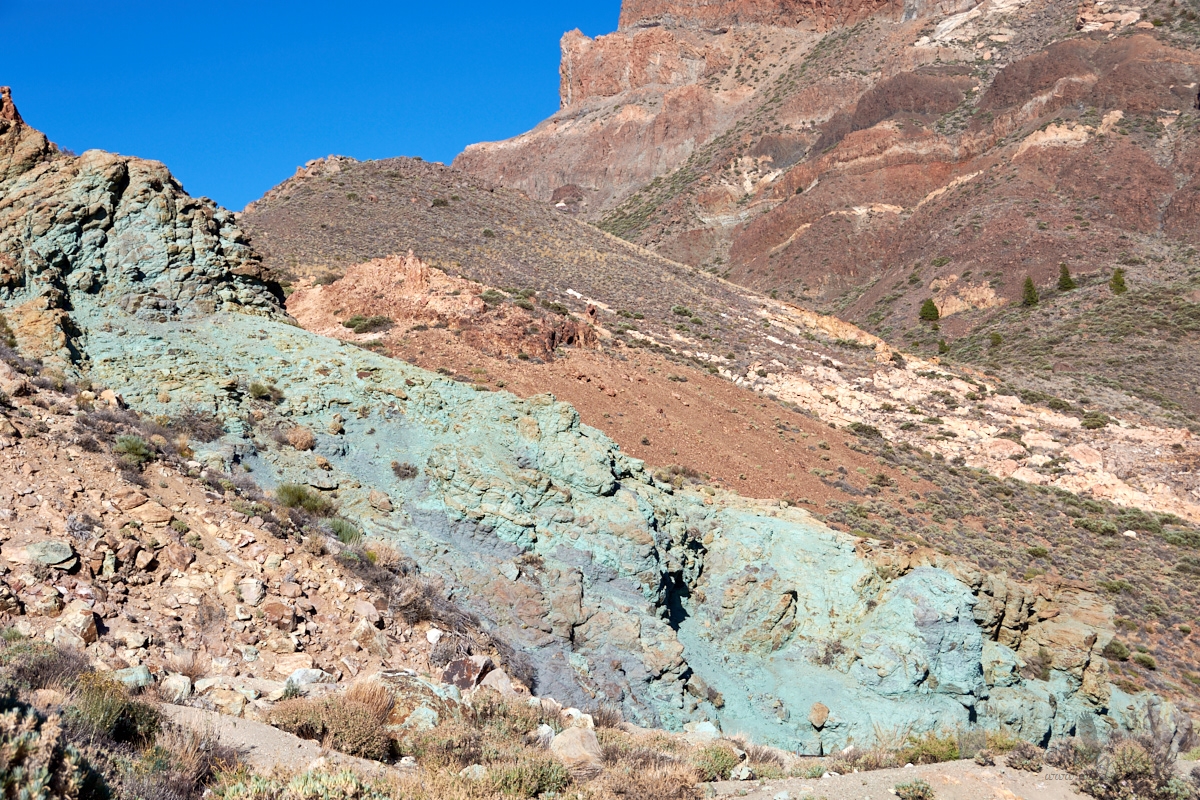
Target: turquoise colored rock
<point x="134" y="677"/>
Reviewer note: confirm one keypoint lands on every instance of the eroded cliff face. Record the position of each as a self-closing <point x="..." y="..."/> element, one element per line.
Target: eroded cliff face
<point x="783" y="13"/>
<point x="635" y="105"/>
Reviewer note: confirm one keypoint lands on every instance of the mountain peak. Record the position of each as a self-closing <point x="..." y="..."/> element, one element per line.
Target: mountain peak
<point x="8" y="109"/>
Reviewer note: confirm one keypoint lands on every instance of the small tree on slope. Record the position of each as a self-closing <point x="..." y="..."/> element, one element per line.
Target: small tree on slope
<point x="1029" y="295"/>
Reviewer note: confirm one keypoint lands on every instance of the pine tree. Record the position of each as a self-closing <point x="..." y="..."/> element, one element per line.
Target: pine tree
<point x="1117" y="284"/>
<point x="1029" y="296"/>
<point x="929" y="311"/>
<point x="1065" y="282"/>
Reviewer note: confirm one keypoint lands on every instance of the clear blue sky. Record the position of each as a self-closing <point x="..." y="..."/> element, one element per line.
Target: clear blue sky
<point x="233" y="96"/>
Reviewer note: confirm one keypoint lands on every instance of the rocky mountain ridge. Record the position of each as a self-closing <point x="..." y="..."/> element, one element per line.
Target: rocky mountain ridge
<point x="840" y="175"/>
<point x="679" y="604"/>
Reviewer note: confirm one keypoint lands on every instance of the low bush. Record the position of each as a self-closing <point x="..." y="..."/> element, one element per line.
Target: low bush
<point x="36" y="762"/>
<point x="530" y="775"/>
<point x="101" y="709"/>
<point x="134" y="451"/>
<point x="1134" y="768"/>
<point x="343" y="724"/>
<point x="267" y="392"/>
<point x="203" y="426"/>
<point x="915" y="790"/>
<point x="292" y="495"/>
<point x="360" y="324"/>
<point x="301" y="438"/>
<point x="404" y="471"/>
<point x="932" y="748"/>
<point x="180" y="765"/>
<point x="345" y="531"/>
<point x="30" y="664"/>
<point x="714" y="762"/>
<point x="1026" y="756"/>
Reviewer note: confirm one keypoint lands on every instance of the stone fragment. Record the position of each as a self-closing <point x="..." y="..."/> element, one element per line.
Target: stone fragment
<point x="79" y="619"/>
<point x="475" y="772"/>
<point x="279" y="616"/>
<point x="307" y="677"/>
<point x="144" y="560"/>
<point x="579" y="751"/>
<point x="742" y="772"/>
<point x="498" y="680"/>
<point x="51" y="552"/>
<point x="369" y="638"/>
<point x="290" y="590"/>
<point x="252" y="591"/>
<point x="287" y="664"/>
<point x="818" y="715"/>
<point x="465" y="673"/>
<point x="175" y="688"/>
<point x="228" y="701"/>
<point x="179" y="556"/>
<point x="380" y="501"/>
<point x="540" y="737"/>
<point x="137" y="677"/>
<point x="368" y="612"/>
<point x="1004" y="448"/>
<point x="151" y="513"/>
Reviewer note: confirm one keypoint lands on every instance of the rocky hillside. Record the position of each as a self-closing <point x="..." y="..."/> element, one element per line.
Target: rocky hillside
<point x="864" y="164"/>
<point x="589" y="576"/>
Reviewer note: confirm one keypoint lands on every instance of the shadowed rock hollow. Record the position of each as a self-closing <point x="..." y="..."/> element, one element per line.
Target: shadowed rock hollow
<point x="679" y="605"/>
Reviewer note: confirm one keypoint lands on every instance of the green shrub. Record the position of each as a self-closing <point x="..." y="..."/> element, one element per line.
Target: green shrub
<point x="715" y="762"/>
<point x="995" y="340"/>
<point x="929" y="311"/>
<point x="30" y="664"/>
<point x="345" y="531"/>
<point x="292" y="495"/>
<point x="488" y="233"/>
<point x="1094" y="420"/>
<point x="916" y="790"/>
<point x="529" y="776"/>
<point x="931" y="748"/>
<point x="360" y="324"/>
<point x="440" y="202"/>
<point x="265" y="391"/>
<point x="865" y="431"/>
<point x="682" y="311"/>
<point x="1038" y="552"/>
<point x="103" y="708"/>
<point x="316" y="785"/>
<point x="1029" y="293"/>
<point x="1117" y="283"/>
<point x="134" y="450"/>
<point x="36" y="763"/>
<point x="1065" y="282"/>
<point x="492" y="297"/>
<point x="1129" y="769"/>
<point x="7" y="337"/>
<point x="1144" y="660"/>
<point x="1115" y="651"/>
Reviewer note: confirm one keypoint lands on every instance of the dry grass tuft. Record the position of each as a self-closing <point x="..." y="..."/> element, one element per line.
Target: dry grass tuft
<point x="301" y="438"/>
<point x="374" y="696"/>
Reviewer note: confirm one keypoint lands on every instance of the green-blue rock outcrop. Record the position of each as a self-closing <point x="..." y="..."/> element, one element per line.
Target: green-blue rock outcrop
<point x="678" y="605"/>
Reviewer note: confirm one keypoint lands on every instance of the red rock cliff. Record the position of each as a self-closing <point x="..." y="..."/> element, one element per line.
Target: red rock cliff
<point x="817" y="13"/>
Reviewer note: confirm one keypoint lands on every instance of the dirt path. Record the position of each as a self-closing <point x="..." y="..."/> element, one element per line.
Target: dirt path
<point x="955" y="780"/>
<point x="264" y="748"/>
